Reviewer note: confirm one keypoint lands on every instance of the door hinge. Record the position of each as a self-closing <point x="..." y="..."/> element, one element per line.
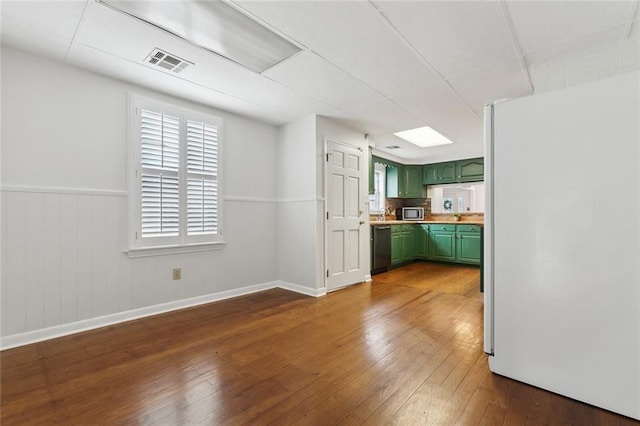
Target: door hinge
<point x="327" y="215"/>
<point x="327" y="273"/>
<point x="327" y="157"/>
<point x="136" y="235"/>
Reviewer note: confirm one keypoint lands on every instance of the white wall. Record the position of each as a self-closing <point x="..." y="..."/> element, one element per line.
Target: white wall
<point x="64" y="151"/>
<point x="296" y="151"/>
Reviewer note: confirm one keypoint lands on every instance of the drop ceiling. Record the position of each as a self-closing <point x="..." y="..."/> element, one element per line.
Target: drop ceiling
<point x="377" y="66"/>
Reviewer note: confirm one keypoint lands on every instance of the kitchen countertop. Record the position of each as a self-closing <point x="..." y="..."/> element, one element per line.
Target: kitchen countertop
<point x="408" y="222"/>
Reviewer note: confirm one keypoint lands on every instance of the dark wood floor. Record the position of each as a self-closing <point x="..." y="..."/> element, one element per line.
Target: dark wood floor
<point x="405" y="349"/>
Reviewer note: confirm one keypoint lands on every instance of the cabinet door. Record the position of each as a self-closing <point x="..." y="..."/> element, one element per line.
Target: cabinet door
<point x="392" y="182"/>
<point x="396" y="248"/>
<point x="422" y="241"/>
<point x="447" y="172"/>
<point x="470" y="170"/>
<point x="413" y="182"/>
<point x="430" y="174"/>
<point x="468" y="248"/>
<point x="408" y="243"/>
<point x="443" y="246"/>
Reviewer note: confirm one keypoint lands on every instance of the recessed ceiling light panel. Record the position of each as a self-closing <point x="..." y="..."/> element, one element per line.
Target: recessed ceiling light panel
<point x="215" y="26"/>
<point x="423" y="137"/>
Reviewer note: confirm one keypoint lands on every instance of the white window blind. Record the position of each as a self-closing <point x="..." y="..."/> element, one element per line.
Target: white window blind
<point x="202" y="178"/>
<point x="176" y="186"/>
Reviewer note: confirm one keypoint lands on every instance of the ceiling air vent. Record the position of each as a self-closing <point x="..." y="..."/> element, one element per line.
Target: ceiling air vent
<point x="392" y="147"/>
<point x="168" y="61"/>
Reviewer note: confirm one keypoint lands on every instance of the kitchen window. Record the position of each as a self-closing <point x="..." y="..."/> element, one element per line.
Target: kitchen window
<point x="377" y="199"/>
<point x="175" y="185"/>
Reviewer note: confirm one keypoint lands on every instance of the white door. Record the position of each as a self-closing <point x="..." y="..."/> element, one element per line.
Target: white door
<point x="347" y="242"/>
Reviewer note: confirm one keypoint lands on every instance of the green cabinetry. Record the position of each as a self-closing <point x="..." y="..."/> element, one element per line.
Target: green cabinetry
<point x="468" y="244"/>
<point x="443" y="242"/>
<point x="411" y="185"/>
<point x="471" y="170"/>
<point x="372" y="187"/>
<point x="439" y="173"/>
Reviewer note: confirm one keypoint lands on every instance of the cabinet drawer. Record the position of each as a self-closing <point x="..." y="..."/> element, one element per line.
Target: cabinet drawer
<point x="442" y="228"/>
<point x="468" y="228"/>
<point x="407" y="228"/>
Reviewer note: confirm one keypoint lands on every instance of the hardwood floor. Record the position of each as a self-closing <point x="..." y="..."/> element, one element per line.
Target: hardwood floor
<point x="405" y="349"/>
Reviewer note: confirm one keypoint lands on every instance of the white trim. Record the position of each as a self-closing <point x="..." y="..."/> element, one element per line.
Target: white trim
<point x="314" y="292"/>
<point x="239" y="199"/>
<point x="63" y="190"/>
<point x="367" y="278"/>
<point x="301" y="200"/>
<point x="21" y="339"/>
<point x="165" y="250"/>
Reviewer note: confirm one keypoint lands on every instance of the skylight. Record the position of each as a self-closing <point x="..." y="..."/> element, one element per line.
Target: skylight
<point x="215" y="26"/>
<point x="423" y="137"/>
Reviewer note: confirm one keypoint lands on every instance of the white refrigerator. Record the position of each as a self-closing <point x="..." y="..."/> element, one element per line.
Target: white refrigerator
<point x="562" y="241"/>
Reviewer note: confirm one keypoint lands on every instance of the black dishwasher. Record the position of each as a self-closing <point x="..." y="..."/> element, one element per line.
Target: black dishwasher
<point x="380" y="248"/>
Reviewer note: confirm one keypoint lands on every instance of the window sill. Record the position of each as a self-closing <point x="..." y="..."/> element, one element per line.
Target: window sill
<point x="165" y="250"/>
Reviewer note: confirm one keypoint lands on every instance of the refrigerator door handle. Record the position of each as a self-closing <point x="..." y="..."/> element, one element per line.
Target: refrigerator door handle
<point x="489" y="297"/>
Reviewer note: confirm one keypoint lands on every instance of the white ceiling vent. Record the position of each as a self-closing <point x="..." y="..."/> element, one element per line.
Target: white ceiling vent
<point x="168" y="61"/>
<point x="392" y="147"/>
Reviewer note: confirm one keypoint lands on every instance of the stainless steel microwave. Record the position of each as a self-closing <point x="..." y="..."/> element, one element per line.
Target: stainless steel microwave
<point x="410" y="213"/>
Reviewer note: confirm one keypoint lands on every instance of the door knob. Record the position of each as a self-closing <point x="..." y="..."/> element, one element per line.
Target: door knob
<point x="361" y="222"/>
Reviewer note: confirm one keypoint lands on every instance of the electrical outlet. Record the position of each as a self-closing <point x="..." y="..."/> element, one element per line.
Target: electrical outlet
<point x="177" y="273"/>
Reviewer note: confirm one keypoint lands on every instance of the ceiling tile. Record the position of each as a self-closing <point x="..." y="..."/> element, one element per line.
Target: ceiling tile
<point x="581" y="43"/>
<point x="57" y="17"/>
<point x="309" y="74"/>
<point x="542" y="25"/>
<point x="384" y="114"/>
<point x="34" y="40"/>
<point x="350" y="34"/>
<point x="453" y="36"/>
<point x="505" y="80"/>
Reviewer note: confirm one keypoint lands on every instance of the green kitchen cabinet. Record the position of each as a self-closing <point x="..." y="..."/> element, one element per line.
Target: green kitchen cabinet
<point x="407" y="237"/>
<point x="439" y="173"/>
<point x="468" y="244"/>
<point x="442" y="242"/>
<point x="396" y="245"/>
<point x="393" y="177"/>
<point x="422" y="241"/>
<point x="411" y="185"/>
<point x="471" y="170"/>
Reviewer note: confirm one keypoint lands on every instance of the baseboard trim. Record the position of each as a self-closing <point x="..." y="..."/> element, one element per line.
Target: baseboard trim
<point x="314" y="292"/>
<point x="21" y="339"/>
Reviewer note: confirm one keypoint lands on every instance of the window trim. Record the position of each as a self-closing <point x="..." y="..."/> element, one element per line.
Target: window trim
<point x="137" y="247"/>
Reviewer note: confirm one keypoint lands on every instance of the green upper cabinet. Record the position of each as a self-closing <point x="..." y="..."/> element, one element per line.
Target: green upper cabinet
<point x="411" y="185"/>
<point x="392" y="187"/>
<point x="439" y="173"/>
<point x="470" y="170"/>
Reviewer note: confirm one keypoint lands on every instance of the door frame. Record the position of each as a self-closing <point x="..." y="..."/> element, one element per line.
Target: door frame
<point x="364" y="176"/>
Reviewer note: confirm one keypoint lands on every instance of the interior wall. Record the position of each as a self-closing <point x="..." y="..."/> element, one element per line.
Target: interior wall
<point x="64" y="203"/>
<point x="297" y="200"/>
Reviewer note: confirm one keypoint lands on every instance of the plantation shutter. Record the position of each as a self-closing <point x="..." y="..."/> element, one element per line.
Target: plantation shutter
<point x="202" y="179"/>
<point x="159" y="180"/>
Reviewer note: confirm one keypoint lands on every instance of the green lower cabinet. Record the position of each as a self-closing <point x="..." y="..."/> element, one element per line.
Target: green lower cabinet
<point x="468" y="244"/>
<point x="422" y="241"/>
<point x="408" y="243"/>
<point x="396" y="245"/>
<point x="443" y="246"/>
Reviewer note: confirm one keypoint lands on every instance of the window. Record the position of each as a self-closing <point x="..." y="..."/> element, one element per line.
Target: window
<point x="175" y="185"/>
<point x="377" y="199"/>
